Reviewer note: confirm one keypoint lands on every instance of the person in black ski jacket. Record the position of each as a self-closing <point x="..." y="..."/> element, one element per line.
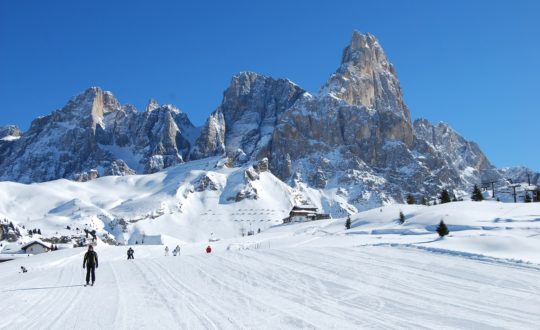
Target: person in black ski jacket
<point x="130" y="253"/>
<point x="91" y="263"/>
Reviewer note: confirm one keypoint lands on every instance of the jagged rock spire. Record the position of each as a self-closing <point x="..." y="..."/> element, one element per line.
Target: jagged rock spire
<point x="152" y="105"/>
<point x="366" y="78"/>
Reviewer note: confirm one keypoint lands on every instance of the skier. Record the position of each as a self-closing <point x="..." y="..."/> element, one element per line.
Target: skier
<point x="23" y="269"/>
<point x="90" y="261"/>
<point x="174" y="252"/>
<point x="208" y="249"/>
<point x="166" y="251"/>
<point x="178" y="249"/>
<point x="130" y="253"/>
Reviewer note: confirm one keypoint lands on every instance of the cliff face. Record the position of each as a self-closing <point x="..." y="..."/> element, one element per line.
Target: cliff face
<point x="243" y="124"/>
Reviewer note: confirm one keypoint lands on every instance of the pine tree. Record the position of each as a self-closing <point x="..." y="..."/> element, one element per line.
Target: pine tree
<point x="401" y="217"/>
<point x="477" y="194"/>
<point x="348" y="222"/>
<point x="424" y="201"/>
<point x="411" y="200"/>
<point x="442" y="230"/>
<point x="39" y="231"/>
<point x="445" y="197"/>
<point x="34" y="231"/>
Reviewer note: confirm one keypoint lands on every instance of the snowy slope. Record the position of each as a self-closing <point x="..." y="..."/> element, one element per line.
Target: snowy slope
<point x="187" y="202"/>
<point x="298" y="276"/>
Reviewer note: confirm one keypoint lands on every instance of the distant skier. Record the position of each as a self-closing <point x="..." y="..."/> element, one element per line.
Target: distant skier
<point x="23" y="269"/>
<point x="166" y="251"/>
<point x="208" y="249"/>
<point x="177" y="249"/>
<point x="130" y="254"/>
<point x="90" y="261"/>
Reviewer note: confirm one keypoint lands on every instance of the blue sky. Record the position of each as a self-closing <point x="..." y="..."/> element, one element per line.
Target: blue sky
<point x="472" y="64"/>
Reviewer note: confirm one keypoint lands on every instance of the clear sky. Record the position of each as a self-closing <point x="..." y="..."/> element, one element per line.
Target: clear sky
<point x="473" y="64"/>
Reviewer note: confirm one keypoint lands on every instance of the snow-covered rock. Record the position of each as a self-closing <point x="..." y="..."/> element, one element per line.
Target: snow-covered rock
<point x="94" y="134"/>
<point x="356" y="135"/>
<point x="243" y="124"/>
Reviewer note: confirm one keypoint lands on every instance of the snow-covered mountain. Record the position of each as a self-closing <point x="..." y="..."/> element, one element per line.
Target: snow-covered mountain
<point x="93" y="135"/>
<point x="351" y="146"/>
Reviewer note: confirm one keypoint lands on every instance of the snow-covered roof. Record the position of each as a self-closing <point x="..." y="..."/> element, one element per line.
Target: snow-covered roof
<point x="303" y="212"/>
<point x="304" y="207"/>
<point x="27" y="245"/>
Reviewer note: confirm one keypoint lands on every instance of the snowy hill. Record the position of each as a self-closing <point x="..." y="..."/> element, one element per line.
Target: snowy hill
<point x="378" y="274"/>
<point x="187" y="202"/>
<point x="193" y="201"/>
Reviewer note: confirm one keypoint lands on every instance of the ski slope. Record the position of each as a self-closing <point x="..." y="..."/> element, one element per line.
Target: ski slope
<point x="289" y="281"/>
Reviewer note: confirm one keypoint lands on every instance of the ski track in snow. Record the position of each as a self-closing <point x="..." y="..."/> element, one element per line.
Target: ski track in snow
<point x="280" y="288"/>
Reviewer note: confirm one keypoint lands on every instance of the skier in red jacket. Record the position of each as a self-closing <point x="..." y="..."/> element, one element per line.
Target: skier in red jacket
<point x="208" y="249"/>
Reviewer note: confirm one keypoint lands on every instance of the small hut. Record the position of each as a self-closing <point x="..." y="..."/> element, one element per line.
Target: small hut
<point x="36" y="247"/>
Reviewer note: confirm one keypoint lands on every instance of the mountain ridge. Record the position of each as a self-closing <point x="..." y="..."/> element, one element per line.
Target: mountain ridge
<point x="355" y="136"/>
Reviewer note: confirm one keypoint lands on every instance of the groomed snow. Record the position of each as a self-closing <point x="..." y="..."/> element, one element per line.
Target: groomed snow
<point x="306" y="283"/>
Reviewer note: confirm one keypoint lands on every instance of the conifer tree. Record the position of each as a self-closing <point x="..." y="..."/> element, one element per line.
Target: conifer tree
<point x="401" y="217"/>
<point x="348" y="222"/>
<point x="442" y="229"/>
<point x="411" y="200"/>
<point x="445" y="197"/>
<point x="477" y="194"/>
<point x="424" y="200"/>
<point x="39" y="231"/>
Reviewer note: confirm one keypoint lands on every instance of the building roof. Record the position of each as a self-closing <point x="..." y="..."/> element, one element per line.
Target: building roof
<point x="304" y="207"/>
<point x="27" y="245"/>
<point x="303" y="212"/>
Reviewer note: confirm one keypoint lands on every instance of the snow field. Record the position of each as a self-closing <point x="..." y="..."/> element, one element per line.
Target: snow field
<point x="295" y="280"/>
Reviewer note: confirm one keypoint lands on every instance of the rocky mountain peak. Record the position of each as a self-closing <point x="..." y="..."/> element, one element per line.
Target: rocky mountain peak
<point x="244" y="122"/>
<point x="9" y="132"/>
<point x="88" y="108"/>
<point x="152" y="105"/>
<point x="366" y="78"/>
<point x="361" y="44"/>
